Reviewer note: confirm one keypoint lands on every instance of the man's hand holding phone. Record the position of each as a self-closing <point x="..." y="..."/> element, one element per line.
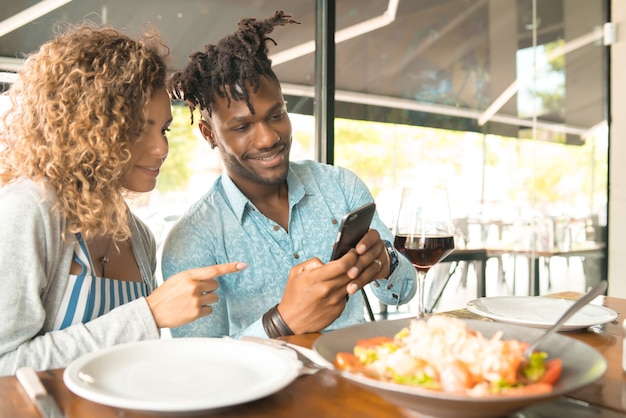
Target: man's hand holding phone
<point x="353" y="227"/>
<point x="316" y="293"/>
<point x="354" y="232"/>
<point x="372" y="262"/>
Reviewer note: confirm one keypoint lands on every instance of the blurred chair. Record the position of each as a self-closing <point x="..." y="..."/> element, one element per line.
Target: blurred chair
<point x="595" y="268"/>
<point x="462" y="238"/>
<point x="441" y="273"/>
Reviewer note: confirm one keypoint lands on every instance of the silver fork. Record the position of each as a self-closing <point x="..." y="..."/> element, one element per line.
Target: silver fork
<point x="584" y="300"/>
<point x="309" y="364"/>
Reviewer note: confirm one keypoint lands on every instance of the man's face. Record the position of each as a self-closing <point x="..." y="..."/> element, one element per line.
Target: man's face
<point x="254" y="147"/>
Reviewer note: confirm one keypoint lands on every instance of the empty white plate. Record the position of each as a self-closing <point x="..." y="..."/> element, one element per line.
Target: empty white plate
<point x="539" y="311"/>
<point x="180" y="374"/>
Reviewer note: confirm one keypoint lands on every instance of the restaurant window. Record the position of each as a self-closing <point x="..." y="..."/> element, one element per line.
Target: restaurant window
<point x="503" y="100"/>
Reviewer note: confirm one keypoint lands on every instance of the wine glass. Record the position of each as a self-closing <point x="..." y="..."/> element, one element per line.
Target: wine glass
<point x="424" y="232"/>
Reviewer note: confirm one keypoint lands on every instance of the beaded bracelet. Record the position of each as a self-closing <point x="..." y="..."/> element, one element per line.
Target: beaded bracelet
<point x="274" y="324"/>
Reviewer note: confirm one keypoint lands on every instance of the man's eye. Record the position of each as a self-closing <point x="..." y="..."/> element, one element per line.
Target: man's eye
<point x="278" y="116"/>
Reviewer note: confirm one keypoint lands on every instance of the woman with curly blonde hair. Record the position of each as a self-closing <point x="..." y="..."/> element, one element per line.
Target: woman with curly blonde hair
<point x="87" y="125"/>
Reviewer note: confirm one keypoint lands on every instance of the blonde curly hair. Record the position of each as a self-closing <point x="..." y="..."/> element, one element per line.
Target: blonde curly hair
<point x="77" y="107"/>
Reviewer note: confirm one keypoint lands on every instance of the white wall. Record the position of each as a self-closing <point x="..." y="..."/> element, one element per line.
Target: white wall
<point x="617" y="157"/>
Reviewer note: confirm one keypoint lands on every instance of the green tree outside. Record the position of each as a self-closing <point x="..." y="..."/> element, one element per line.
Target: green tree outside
<point x="177" y="172"/>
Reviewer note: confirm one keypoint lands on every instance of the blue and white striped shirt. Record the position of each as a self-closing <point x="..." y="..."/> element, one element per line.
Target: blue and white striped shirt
<point x="88" y="296"/>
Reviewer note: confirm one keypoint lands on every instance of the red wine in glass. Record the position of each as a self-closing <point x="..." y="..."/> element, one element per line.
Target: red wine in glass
<point x="424" y="232"/>
<point x="424" y="252"/>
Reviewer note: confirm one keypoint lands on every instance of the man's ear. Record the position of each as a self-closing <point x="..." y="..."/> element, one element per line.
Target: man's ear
<point x="207" y="132"/>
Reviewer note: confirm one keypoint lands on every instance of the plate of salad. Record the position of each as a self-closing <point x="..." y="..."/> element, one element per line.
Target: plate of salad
<point x="442" y="365"/>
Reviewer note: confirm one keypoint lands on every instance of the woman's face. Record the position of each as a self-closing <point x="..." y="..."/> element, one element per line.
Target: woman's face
<point x="150" y="150"/>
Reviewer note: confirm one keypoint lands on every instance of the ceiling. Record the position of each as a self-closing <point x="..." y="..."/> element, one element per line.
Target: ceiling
<point x="441" y="63"/>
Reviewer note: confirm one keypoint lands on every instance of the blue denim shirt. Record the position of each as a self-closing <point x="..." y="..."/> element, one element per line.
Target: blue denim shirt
<point x="224" y="226"/>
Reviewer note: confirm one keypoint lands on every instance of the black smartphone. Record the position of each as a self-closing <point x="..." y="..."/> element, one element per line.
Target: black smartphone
<point x="354" y="225"/>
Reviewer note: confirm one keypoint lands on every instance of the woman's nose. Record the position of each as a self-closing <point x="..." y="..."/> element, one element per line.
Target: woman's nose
<point x="160" y="146"/>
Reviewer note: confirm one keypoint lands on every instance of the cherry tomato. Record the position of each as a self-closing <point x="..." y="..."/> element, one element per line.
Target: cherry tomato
<point x="553" y="371"/>
<point x="372" y="342"/>
<point x="347" y="361"/>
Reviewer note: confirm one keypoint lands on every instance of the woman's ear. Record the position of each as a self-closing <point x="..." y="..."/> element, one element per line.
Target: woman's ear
<point x="207" y="132"/>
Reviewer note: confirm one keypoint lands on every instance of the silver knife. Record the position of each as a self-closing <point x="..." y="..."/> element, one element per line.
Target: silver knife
<point x="37" y="393"/>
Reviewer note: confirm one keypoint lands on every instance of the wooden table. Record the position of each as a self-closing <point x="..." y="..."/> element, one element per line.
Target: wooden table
<point x="326" y="394"/>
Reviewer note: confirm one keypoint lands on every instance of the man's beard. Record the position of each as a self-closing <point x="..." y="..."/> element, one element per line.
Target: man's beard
<point x="237" y="168"/>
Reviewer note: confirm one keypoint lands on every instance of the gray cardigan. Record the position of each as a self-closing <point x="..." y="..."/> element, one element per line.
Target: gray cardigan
<point x="34" y="271"/>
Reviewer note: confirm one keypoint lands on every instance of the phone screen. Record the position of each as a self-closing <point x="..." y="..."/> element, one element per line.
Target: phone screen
<point x="354" y="225"/>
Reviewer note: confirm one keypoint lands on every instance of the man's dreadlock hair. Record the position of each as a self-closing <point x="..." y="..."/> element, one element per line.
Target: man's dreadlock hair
<point x="225" y="68"/>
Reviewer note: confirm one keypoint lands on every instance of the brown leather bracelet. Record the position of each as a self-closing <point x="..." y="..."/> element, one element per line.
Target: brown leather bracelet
<point x="274" y="324"/>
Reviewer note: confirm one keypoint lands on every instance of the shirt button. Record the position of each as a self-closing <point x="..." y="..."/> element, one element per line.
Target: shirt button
<point x="296" y="256"/>
<point x="335" y="221"/>
<point x="275" y="228"/>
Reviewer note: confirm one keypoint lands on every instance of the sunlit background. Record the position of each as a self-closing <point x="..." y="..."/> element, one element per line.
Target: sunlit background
<point x="503" y="101"/>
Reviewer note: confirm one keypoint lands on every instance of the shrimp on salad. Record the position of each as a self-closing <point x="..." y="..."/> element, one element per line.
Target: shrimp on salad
<point x="443" y="354"/>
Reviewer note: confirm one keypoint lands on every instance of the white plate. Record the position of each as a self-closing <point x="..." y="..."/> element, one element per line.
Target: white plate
<point x="180" y="374"/>
<point x="539" y="311"/>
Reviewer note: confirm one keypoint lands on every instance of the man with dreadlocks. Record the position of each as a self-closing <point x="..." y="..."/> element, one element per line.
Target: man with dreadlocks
<point x="269" y="212"/>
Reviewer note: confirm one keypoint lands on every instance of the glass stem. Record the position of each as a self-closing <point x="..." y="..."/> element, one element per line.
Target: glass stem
<point x="421" y="280"/>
